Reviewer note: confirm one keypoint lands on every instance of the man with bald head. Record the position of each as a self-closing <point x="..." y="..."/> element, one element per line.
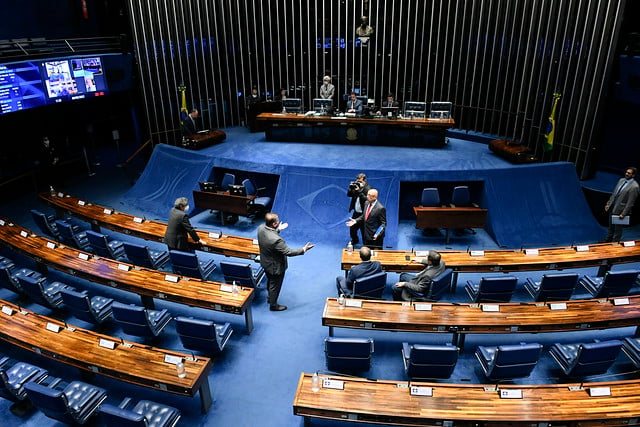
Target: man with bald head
<point x="374" y="219"/>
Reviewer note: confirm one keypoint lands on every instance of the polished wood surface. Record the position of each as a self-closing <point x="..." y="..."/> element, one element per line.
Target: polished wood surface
<point x="223" y="202"/>
<point x="204" y="139"/>
<point x="462" y="319"/>
<point x="138" y="364"/>
<point x="145" y="282"/>
<point x="339" y="121"/>
<point x="450" y="217"/>
<point x="102" y="216"/>
<point x="391" y="403"/>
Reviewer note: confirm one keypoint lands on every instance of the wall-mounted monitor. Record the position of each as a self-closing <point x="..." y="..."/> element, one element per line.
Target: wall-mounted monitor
<point x="21" y="87"/>
<point x="415" y="109"/>
<point x="321" y="105"/>
<point x="292" y="105"/>
<point x="75" y="78"/>
<point x="440" y="110"/>
<point x="389" y="112"/>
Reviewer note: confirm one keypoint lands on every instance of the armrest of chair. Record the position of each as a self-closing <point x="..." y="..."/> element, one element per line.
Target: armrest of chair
<point x="4" y="361"/>
<point x="406" y="350"/>
<point x="125" y="402"/>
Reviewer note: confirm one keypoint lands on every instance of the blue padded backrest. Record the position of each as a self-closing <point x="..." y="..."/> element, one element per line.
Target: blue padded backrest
<point x="430" y="197"/>
<point x="195" y="328"/>
<point x="129" y="313"/>
<point x="50" y="401"/>
<point x="598" y="351"/>
<point x="97" y="240"/>
<point x="622" y="278"/>
<point x="249" y="187"/>
<point x="517" y="354"/>
<point x="498" y="284"/>
<point x="184" y="259"/>
<point x="227" y="179"/>
<point x="236" y="269"/>
<point x="65" y="229"/>
<point x="441" y="283"/>
<point x="113" y="416"/>
<point x="559" y="281"/>
<point x="461" y="196"/>
<point x="433" y="354"/>
<point x="348" y="347"/>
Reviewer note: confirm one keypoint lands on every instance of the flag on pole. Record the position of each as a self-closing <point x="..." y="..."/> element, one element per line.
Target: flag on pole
<point x="551" y="125"/>
<point x="183" y="106"/>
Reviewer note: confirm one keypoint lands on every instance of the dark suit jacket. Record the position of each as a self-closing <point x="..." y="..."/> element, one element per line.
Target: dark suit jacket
<point x="178" y="229"/>
<point x="423" y="280"/>
<point x="189" y="126"/>
<point x="377" y="217"/>
<point x="274" y="251"/>
<point x="355" y="195"/>
<point x="385" y="103"/>
<point x="365" y="268"/>
<point x="357" y="106"/>
<point x="625" y="200"/>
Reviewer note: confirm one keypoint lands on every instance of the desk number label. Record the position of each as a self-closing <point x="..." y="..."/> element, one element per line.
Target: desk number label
<point x="7" y="310"/>
<point x="477" y="253"/>
<point x="423" y="307"/>
<point x="51" y="245"/>
<point x="107" y="211"/>
<point x="81" y="202"/>
<point x="421" y="391"/>
<point x="582" y="248"/>
<point x="334" y="384"/>
<point x="53" y="327"/>
<point x="137" y="220"/>
<point x="107" y="344"/>
<point x="353" y="303"/>
<point x="172" y="279"/>
<point x="511" y="394"/>
<point x="83" y="256"/>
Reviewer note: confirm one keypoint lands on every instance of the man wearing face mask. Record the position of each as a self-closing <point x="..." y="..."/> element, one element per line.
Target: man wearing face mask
<point x="179" y="227"/>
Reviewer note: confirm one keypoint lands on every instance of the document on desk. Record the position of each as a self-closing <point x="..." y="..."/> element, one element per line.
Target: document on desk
<point x="615" y="219"/>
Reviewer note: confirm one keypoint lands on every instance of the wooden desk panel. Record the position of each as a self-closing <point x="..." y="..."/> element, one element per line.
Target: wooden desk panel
<point x="462" y="319"/>
<point x="390" y="402"/>
<point x="131" y="362"/>
<point x="223" y="202"/>
<point x="450" y="217"/>
<point x="145" y="282"/>
<point x="101" y="216"/>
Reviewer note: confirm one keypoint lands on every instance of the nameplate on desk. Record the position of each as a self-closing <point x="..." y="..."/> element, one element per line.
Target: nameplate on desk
<point x="215" y="235"/>
<point x="226" y="288"/>
<point x="81" y="202"/>
<point x="51" y="245"/>
<point x="60" y="194"/>
<point x="174" y="360"/>
<point x="107" y="211"/>
<point x="599" y="391"/>
<point x="476" y="253"/>
<point x="490" y="307"/>
<point x="582" y="248"/>
<point x="422" y="253"/>
<point x="53" y="327"/>
<point x="420" y="391"/>
<point x="2" y="222"/>
<point x="83" y="256"/>
<point x="24" y="233"/>
<point x="7" y="310"/>
<point x="172" y="279"/>
<point x="510" y="394"/>
<point x="353" y="303"/>
<point x="107" y="344"/>
<point x="629" y="243"/>
<point x="124" y="267"/>
<point x="423" y="307"/>
<point x="137" y="220"/>
<point x="532" y="252"/>
<point x="255" y="242"/>
<point x="621" y="301"/>
<point x="334" y="384"/>
<point x="558" y="306"/>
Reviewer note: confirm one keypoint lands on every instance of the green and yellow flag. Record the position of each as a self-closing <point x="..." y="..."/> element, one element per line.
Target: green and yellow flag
<point x="551" y="126"/>
<point x="183" y="106"/>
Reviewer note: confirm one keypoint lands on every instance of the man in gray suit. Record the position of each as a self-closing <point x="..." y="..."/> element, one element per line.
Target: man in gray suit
<point x="621" y="202"/>
<point x="179" y="227"/>
<point x="422" y="281"/>
<point x="373" y="220"/>
<point x="364" y="269"/>
<point x="273" y="256"/>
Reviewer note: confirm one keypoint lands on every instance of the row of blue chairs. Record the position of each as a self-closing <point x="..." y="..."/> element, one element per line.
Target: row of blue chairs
<point x="77" y="402"/>
<point x="504" y="362"/>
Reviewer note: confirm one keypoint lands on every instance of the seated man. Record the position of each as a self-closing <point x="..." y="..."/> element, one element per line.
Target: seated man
<point x="365" y="268"/>
<point x="354" y="105"/>
<point x="420" y="282"/>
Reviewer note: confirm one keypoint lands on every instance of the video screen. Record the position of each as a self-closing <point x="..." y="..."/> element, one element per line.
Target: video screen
<point x="20" y="87"/>
<point x="75" y="78"/>
<point x="322" y="105"/>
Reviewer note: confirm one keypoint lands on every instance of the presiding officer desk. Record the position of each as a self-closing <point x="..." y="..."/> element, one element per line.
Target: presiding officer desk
<point x="101" y="216"/>
<point x="414" y="132"/>
<point x="393" y="403"/>
<point x="95" y="353"/>
<point x="473" y="318"/>
<point x="147" y="283"/>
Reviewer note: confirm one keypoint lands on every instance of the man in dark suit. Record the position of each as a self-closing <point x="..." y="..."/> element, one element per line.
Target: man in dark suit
<point x="179" y="227"/>
<point x="420" y="282"/>
<point x="354" y="105"/>
<point x="390" y="102"/>
<point x="365" y="268"/>
<point x="273" y="256"/>
<point x="374" y="219"/>
<point x="358" y="190"/>
<point x="621" y="202"/>
<point x="189" y="123"/>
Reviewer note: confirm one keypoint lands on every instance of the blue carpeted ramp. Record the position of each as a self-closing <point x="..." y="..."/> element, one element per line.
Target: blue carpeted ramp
<point x="529" y="205"/>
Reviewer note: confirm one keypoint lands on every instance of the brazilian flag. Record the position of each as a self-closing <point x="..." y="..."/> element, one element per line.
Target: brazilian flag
<point x="183" y="106"/>
<point x="551" y="125"/>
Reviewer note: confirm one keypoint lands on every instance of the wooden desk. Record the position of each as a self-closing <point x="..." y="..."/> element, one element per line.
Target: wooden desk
<point x="467" y="217"/>
<point x="204" y="139"/>
<point x="349" y="130"/>
<point x="137" y="364"/>
<point x="390" y="403"/>
<point x="224" y="202"/>
<point x="147" y="283"/>
<point x="462" y="319"/>
<point x="102" y="216"/>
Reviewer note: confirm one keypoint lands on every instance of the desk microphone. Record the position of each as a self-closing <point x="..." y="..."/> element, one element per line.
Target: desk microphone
<point x="468" y="248"/>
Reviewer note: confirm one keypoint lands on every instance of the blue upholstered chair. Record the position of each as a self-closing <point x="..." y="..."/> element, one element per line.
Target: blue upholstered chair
<point x="102" y="246"/>
<point x="46" y="223"/>
<point x="613" y="284"/>
<point x="74" y="404"/>
<point x="14" y="375"/>
<point x="188" y="264"/>
<point x="370" y="287"/>
<point x="203" y="335"/>
<point x="143" y="256"/>
<point x="552" y="287"/>
<point x="429" y="360"/>
<point x="439" y="286"/>
<point x="145" y="413"/>
<point x="492" y="289"/>
<point x="9" y="275"/>
<point x="506" y="362"/>
<point x="242" y="273"/>
<point x="72" y="237"/>
<point x="430" y="198"/>
<point x="582" y="360"/>
<point x="348" y="354"/>
<point x="42" y="292"/>
<point x="139" y="321"/>
<point x="94" y="309"/>
<point x="260" y="204"/>
<point x="461" y="197"/>
<point x="631" y="347"/>
<point x="227" y="180"/>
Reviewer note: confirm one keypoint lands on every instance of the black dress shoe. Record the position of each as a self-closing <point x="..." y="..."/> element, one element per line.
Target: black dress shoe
<point x="278" y="307"/>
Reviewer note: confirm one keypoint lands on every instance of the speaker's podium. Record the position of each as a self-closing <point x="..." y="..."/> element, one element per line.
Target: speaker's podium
<point x="203" y="138"/>
<point x="515" y="152"/>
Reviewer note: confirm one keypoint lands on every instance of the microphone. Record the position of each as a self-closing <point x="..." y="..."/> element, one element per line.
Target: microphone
<point x="469" y="249"/>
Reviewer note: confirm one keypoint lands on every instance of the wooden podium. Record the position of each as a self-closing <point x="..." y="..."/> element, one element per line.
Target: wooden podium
<point x="512" y="151"/>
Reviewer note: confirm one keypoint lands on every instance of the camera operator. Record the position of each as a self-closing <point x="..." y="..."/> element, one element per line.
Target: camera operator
<point x="358" y="192"/>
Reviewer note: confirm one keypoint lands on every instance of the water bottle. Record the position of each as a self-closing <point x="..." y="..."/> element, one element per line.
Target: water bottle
<point x="350" y="247"/>
<point x="234" y="289"/>
<point x="181" y="371"/>
<point x="52" y="191"/>
<point x="315" y="382"/>
<point x="341" y="302"/>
